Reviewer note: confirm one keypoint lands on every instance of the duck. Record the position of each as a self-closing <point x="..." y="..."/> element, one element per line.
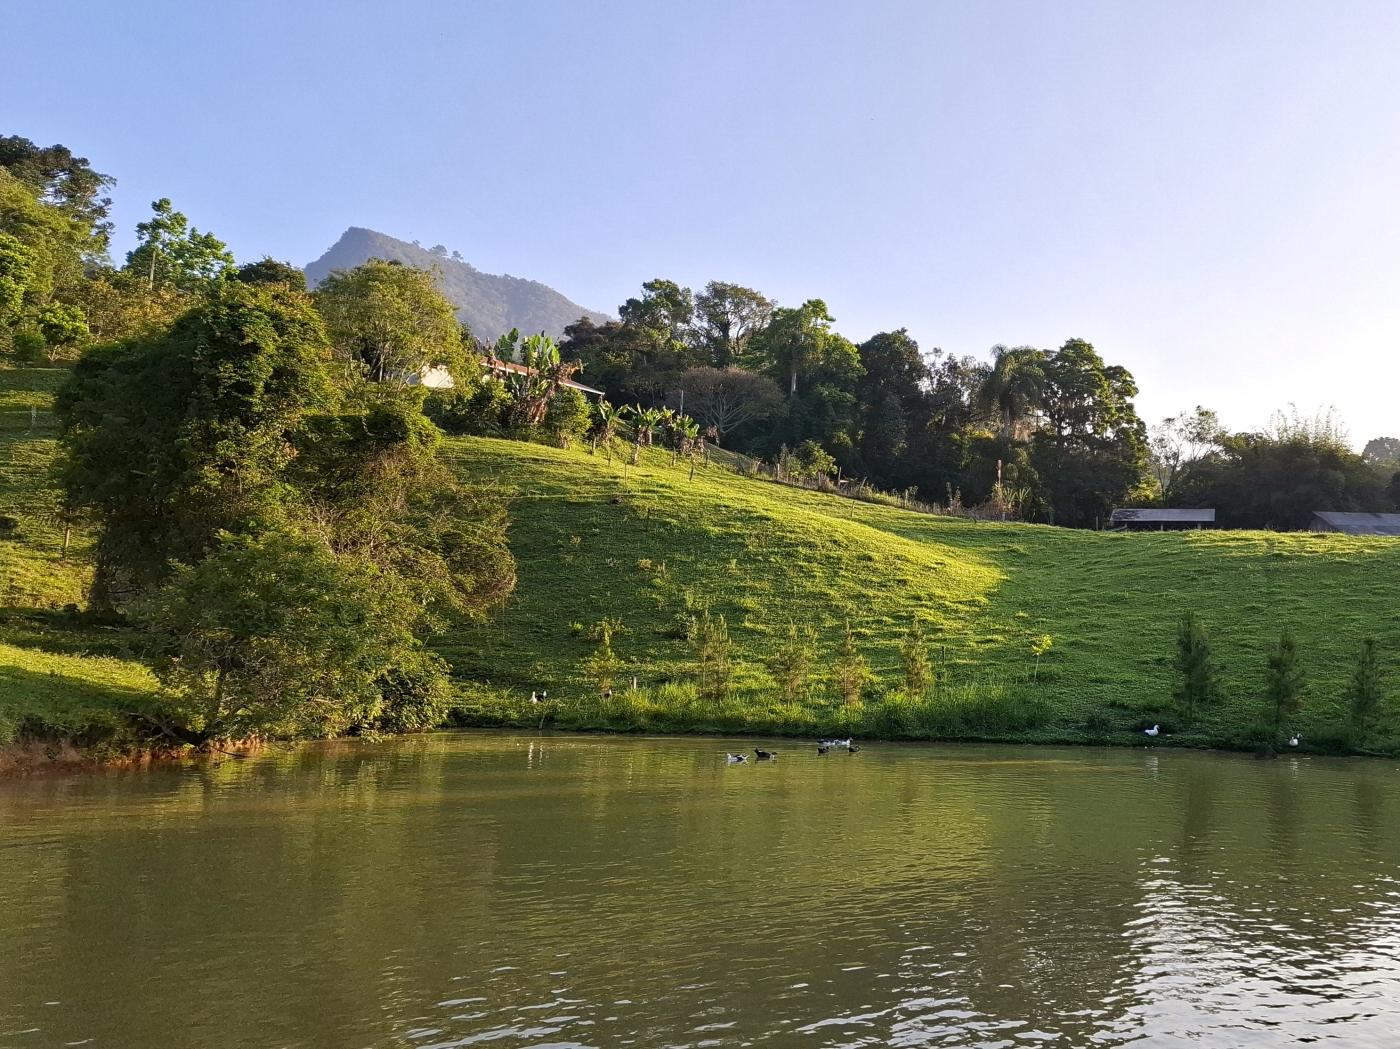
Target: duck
<point x="852" y="749"/>
<point x="766" y="755"/>
<point x="735" y="759"/>
<point x="534" y="697"/>
<point x="1293" y="741"/>
<point x="1152" y="731"/>
<point x="823" y="747"/>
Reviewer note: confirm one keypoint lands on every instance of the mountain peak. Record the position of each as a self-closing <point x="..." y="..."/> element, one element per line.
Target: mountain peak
<point x="489" y="304"/>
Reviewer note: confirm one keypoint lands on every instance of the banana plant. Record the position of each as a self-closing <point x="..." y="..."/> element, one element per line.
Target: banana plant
<point x="610" y="421"/>
<point x="546" y="372"/>
<point x="645" y="422"/>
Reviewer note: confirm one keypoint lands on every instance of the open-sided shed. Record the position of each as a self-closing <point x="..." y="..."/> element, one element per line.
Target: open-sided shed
<point x="1355" y="524"/>
<point x="1158" y="519"/>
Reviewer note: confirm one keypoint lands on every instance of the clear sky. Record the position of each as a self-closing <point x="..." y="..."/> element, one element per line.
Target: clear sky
<point x="1208" y="192"/>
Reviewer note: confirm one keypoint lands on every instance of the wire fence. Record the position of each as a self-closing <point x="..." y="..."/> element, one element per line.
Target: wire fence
<point x="23" y="419"/>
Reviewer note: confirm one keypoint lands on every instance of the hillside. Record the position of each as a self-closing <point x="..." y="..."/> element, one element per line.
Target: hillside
<point x="648" y="547"/>
<point x="490" y="304"/>
<point x="596" y="540"/>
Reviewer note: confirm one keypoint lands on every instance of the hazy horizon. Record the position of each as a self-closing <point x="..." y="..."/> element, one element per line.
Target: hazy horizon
<point x="1204" y="193"/>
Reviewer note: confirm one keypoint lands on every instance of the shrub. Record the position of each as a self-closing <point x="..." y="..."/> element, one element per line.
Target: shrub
<point x="566" y="418"/>
<point x="416" y="698"/>
<point x="482" y="412"/>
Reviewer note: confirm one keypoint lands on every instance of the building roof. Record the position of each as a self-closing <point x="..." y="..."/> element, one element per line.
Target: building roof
<point x="498" y="365"/>
<point x="1128" y="514"/>
<point x="1359" y="524"/>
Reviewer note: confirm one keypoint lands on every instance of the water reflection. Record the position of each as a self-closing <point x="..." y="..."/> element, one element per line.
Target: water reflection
<point x="523" y="891"/>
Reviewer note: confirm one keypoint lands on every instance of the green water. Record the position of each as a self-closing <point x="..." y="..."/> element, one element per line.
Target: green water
<point x="506" y="891"/>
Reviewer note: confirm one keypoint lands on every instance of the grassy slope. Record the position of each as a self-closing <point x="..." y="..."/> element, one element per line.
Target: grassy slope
<point x="591" y="538"/>
<point x="647" y="545"/>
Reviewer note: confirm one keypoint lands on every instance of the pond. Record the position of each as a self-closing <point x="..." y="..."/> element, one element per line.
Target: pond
<point x="564" y="891"/>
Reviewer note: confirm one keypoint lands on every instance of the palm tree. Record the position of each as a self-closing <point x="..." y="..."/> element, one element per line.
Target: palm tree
<point x="1015" y="388"/>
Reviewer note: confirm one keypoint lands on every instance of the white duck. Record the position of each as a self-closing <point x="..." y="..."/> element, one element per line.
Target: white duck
<point x="735" y="759"/>
<point x="1293" y="742"/>
<point x="1152" y="731"/>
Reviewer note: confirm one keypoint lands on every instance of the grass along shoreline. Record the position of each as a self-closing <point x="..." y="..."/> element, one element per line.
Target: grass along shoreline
<point x="648" y="548"/>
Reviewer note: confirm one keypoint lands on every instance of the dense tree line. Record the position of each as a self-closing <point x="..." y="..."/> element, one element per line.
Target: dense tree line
<point x="1045" y="435"/>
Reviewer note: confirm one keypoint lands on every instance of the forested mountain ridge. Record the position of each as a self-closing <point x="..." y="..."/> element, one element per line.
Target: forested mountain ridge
<point x="489" y="304"/>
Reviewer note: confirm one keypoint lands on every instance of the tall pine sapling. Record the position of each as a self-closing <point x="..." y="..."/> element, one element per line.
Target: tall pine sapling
<point x="1367" y="691"/>
<point x="1196" y="686"/>
<point x="1284" y="680"/>
<point x="852" y="672"/>
<point x="603" y="666"/>
<point x="709" y="639"/>
<point x="913" y="656"/>
<point x="791" y="662"/>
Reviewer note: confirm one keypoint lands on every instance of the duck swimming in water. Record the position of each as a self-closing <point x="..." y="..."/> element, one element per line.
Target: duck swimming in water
<point x="735" y="759"/>
<point x="766" y="755"/>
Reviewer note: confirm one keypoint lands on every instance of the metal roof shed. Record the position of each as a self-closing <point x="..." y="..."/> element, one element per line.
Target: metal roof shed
<point x="1355" y="524"/>
<point x="1135" y="518"/>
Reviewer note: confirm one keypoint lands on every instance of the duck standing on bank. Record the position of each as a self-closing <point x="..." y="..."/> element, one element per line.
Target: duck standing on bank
<point x="1152" y="731"/>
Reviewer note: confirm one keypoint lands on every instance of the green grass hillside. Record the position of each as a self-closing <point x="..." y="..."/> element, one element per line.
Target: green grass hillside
<point x="649" y="547"/>
<point x="646" y="546"/>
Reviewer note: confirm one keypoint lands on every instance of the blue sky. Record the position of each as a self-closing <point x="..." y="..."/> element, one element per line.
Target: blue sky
<point x="1209" y="192"/>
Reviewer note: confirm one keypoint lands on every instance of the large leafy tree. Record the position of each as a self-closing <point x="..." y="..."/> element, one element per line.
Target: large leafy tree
<point x="63" y="180"/>
<point x="274" y="635"/>
<point x="173" y="440"/>
<point x="1181" y="440"/>
<point x="798" y="342"/>
<point x="172" y="252"/>
<point x="663" y="314"/>
<point x="894" y="406"/>
<point x="56" y="246"/>
<point x="726" y="400"/>
<point x="268" y="270"/>
<point x="1382" y="450"/>
<point x="727" y="316"/>
<point x="388" y="322"/>
<point x="1092" y="450"/>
